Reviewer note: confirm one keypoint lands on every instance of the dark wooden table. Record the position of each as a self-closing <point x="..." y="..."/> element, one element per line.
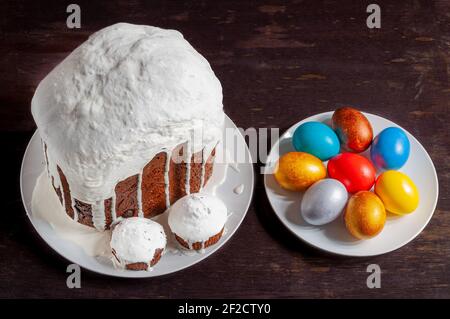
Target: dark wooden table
<point x="278" y="63"/>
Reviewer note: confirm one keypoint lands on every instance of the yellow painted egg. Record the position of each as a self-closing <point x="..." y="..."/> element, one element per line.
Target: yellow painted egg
<point x="398" y="192"/>
<point x="296" y="171"/>
<point x="364" y="215"/>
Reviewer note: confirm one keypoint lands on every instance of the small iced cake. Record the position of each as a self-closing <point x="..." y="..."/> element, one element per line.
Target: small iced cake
<point x="198" y="220"/>
<point x="137" y="243"/>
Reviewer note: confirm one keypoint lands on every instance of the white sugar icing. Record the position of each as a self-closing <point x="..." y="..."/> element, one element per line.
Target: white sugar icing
<point x="45" y="206"/>
<point x="120" y="98"/>
<point x="136" y="239"/>
<point x="197" y="217"/>
<point x="166" y="179"/>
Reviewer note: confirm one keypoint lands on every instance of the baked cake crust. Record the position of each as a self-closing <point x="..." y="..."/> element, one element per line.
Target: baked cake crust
<point x="143" y="265"/>
<point x="155" y="195"/>
<point x="200" y="245"/>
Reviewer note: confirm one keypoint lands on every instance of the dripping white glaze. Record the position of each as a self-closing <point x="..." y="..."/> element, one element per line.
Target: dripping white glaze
<point x="206" y="152"/>
<point x="75" y="211"/>
<point x="202" y="250"/>
<point x="139" y="195"/>
<point x="98" y="208"/>
<point x="113" y="206"/>
<point x="98" y="215"/>
<point x="47" y="207"/>
<point x="187" y="160"/>
<point x="166" y="180"/>
<point x="53" y="171"/>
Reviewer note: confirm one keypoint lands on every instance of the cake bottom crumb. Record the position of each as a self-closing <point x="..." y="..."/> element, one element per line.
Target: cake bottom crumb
<point x="200" y="245"/>
<point x="144" y="265"/>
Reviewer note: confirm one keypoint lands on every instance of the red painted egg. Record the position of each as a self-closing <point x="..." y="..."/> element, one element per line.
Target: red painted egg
<point x="354" y="171"/>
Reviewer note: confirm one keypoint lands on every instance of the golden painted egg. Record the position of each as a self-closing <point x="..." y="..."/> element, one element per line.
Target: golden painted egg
<point x="296" y="171"/>
<point x="364" y="215"/>
<point x="398" y="192"/>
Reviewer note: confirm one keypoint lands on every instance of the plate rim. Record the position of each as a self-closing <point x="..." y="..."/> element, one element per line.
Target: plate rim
<point x="213" y="250"/>
<point x="350" y="254"/>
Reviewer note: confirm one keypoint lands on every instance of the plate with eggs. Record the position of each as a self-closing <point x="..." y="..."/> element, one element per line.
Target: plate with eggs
<point x="351" y="183"/>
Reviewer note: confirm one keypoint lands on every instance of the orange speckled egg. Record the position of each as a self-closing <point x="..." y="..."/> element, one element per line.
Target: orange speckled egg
<point x="364" y="215"/>
<point x="296" y="171"/>
<point x="352" y="128"/>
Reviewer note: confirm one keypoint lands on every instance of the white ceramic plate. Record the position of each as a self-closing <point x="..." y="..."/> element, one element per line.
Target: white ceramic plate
<point x="237" y="174"/>
<point x="334" y="237"/>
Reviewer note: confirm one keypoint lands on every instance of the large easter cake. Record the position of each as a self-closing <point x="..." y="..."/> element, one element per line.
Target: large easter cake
<point x="129" y="123"/>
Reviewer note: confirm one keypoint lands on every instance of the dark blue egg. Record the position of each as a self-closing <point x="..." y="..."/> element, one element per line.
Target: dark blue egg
<point x="390" y="149"/>
<point x="317" y="139"/>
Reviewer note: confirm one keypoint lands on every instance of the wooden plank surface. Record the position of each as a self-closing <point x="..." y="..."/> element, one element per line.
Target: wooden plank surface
<point x="278" y="61"/>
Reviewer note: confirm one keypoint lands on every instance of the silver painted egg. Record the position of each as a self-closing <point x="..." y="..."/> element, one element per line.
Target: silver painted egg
<point x="323" y="202"/>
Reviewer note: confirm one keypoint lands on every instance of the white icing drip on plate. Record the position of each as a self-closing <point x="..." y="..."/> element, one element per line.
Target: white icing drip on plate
<point x="238" y="190"/>
<point x="45" y="206"/>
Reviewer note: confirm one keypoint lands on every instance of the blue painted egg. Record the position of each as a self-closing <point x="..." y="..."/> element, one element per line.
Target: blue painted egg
<point x="317" y="139"/>
<point x="390" y="149"/>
